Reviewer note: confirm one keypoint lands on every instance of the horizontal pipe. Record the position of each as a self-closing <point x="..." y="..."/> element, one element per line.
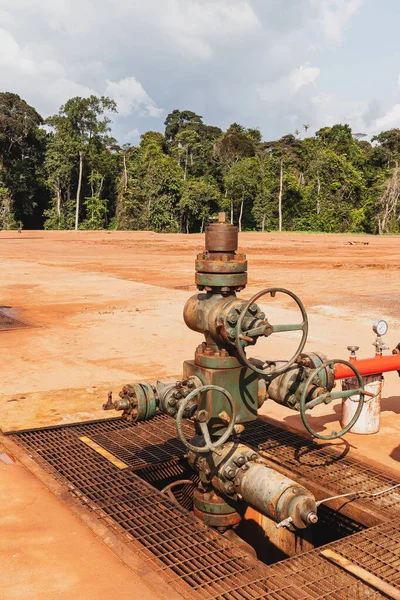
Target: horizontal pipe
<point x="369" y="366"/>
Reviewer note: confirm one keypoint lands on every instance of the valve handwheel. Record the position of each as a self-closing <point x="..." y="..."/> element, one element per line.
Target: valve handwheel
<point x="203" y="419"/>
<point x="327" y="397"/>
<point x="303" y="326"/>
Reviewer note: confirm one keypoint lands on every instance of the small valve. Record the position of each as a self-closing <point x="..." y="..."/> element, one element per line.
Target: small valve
<point x="380" y="327"/>
<point x="109" y="405"/>
<point x="353" y="350"/>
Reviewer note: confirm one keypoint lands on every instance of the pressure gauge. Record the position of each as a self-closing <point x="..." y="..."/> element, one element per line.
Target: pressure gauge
<point x="380" y="327"/>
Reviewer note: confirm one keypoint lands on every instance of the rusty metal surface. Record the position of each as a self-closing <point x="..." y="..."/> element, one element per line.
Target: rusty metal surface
<point x="199" y="563"/>
<point x="8" y="322"/>
<point x="322" y="464"/>
<point x="149" y="444"/>
<point x="221" y="237"/>
<point x="163" y="474"/>
<point x="376" y="549"/>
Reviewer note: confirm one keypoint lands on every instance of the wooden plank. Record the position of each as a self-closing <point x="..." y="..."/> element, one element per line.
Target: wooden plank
<point x="362" y="574"/>
<point x="103" y="452"/>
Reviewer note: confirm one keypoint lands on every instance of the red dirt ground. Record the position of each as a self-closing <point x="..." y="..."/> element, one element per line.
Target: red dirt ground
<point x="107" y="310"/>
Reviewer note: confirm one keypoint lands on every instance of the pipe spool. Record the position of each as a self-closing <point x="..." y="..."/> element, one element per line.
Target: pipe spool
<point x="222" y="237"/>
<point x="276" y="496"/>
<point x="219" y="269"/>
<point x="369" y="366"/>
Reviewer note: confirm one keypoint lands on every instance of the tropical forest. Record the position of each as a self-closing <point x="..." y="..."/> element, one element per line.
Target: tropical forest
<point x="68" y="172"/>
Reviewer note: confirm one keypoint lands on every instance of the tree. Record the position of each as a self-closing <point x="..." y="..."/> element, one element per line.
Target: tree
<point x="59" y="166"/>
<point x="187" y="145"/>
<point x="243" y="184"/>
<point x="178" y="120"/>
<point x="7" y="220"/>
<point x="286" y="151"/>
<point x="130" y="197"/>
<point x="231" y="147"/>
<point x="387" y="180"/>
<point x="22" y="146"/>
<point x="200" y="199"/>
<point x="389" y="141"/>
<point x="388" y="201"/>
<point x="161" y="181"/>
<point x="264" y="207"/>
<point x="96" y="210"/>
<point x="84" y="126"/>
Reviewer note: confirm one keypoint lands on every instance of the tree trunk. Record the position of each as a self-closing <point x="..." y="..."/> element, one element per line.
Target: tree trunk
<point x="231" y="212"/>
<point x="280" y="196"/>
<point x="58" y="202"/>
<point x="389" y="201"/>
<point x="187" y="224"/>
<point x="202" y="225"/>
<point x="125" y="173"/>
<point x="78" y="191"/>
<point x="263" y="223"/>
<point x="241" y="214"/>
<point x="319" y="195"/>
<point x="186" y="164"/>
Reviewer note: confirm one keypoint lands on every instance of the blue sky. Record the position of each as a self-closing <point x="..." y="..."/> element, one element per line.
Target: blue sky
<point x="276" y="64"/>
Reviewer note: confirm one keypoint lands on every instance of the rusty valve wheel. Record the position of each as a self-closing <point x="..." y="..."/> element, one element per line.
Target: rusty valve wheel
<point x="269" y="330"/>
<point x="327" y="397"/>
<point x="202" y="418"/>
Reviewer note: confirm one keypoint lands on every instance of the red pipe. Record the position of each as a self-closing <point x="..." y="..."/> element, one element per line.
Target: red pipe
<point x="369" y="366"/>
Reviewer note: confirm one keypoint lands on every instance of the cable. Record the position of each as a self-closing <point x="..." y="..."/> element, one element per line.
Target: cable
<point x="358" y="493"/>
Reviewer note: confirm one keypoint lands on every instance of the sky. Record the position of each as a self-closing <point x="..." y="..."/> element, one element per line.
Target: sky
<point x="273" y="64"/>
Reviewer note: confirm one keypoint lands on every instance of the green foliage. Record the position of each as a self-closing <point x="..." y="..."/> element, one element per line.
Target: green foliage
<point x="96" y="211"/>
<point x="7" y="220"/>
<point x="200" y="199"/>
<point x="242" y="183"/>
<point x="177" y="121"/>
<point x="22" y="147"/>
<point x="334" y="181"/>
<point x="80" y="144"/>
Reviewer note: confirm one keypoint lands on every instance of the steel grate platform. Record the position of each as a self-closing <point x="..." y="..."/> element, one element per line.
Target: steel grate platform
<point x="141" y="446"/>
<point x="8" y="322"/>
<point x="198" y="562"/>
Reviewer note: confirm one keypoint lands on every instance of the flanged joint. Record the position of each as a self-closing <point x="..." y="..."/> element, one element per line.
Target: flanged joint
<point x="138" y="401"/>
<point x="219" y="268"/>
<point x="213" y="510"/>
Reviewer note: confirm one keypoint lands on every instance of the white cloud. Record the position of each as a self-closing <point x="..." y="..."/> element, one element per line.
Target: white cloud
<point x="251" y="61"/>
<point x="390" y="120"/>
<point x="41" y="81"/>
<point x="197" y="26"/>
<point x="333" y="15"/>
<point x="282" y="89"/>
<point x="130" y="95"/>
<point x="303" y="75"/>
<point x="133" y="136"/>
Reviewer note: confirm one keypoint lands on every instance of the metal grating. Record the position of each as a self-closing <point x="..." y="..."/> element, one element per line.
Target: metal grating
<point x="141" y="446"/>
<point x="198" y="562"/>
<point x="8" y="322"/>
<point x="163" y="474"/>
<point x="377" y="550"/>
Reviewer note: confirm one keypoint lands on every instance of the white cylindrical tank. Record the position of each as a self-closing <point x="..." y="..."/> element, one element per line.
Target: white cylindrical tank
<point x="369" y="419"/>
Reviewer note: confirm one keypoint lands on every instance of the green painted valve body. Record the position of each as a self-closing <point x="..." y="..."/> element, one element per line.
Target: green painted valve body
<point x="221" y="390"/>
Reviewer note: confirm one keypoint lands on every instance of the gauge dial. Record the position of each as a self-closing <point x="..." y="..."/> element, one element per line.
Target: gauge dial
<point x="380" y="327"/>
